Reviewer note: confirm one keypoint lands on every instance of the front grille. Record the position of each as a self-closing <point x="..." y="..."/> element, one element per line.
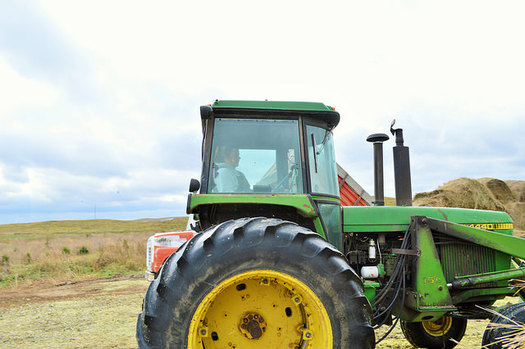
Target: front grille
<point x="463" y="258"/>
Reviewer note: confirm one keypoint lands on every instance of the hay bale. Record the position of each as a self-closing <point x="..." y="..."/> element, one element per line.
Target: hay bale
<point x="519" y="233"/>
<point x="516" y="211"/>
<point x="499" y="189"/>
<point x="518" y="188"/>
<point x="462" y="192"/>
<point x="484" y="193"/>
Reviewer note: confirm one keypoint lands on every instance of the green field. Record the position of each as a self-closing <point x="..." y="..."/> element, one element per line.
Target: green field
<point x="93" y="226"/>
<point x="64" y="250"/>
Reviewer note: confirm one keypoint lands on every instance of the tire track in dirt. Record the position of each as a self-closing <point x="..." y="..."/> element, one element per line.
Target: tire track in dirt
<point x="45" y="291"/>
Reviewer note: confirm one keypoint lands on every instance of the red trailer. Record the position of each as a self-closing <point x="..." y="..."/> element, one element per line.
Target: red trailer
<point x="352" y="194"/>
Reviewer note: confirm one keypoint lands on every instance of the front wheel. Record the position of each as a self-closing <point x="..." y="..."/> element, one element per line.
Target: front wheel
<point x="442" y="333"/>
<point x="256" y="283"/>
<point x="506" y="330"/>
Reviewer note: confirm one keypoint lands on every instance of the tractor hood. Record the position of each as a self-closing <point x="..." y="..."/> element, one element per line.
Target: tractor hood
<point x="396" y="218"/>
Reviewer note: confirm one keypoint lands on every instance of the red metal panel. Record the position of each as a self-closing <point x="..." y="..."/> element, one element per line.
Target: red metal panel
<point x="161" y="253"/>
<point x="348" y="196"/>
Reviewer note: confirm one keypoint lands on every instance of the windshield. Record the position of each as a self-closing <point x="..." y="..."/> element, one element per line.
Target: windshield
<point x="323" y="169"/>
<point x="255" y="156"/>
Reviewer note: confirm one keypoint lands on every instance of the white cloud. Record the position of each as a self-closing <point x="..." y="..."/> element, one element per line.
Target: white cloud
<point x="18" y="92"/>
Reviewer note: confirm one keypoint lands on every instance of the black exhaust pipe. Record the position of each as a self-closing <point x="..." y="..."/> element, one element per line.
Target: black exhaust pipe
<point x="379" y="190"/>
<point x="403" y="181"/>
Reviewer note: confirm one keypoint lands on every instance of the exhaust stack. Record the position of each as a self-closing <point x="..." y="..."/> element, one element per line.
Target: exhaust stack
<point x="403" y="181"/>
<point x="379" y="187"/>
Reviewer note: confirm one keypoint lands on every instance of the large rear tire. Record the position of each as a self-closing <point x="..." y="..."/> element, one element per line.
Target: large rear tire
<point x="256" y="283"/>
<point x="443" y="333"/>
<point x="506" y="329"/>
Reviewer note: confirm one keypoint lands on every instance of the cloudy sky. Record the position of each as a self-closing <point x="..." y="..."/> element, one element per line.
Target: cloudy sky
<point x="99" y="100"/>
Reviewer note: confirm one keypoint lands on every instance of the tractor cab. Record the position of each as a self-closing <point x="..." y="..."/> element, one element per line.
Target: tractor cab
<point x="269" y="147"/>
<point x="269" y="159"/>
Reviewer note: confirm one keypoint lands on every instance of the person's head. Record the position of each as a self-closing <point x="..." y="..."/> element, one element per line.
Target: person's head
<point x="228" y="155"/>
<point x="232" y="157"/>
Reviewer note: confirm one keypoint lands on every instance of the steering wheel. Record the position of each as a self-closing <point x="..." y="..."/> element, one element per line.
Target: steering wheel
<point x="284" y="184"/>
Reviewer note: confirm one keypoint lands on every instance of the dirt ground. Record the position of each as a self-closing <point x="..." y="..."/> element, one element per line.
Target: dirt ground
<point x="102" y="313"/>
<point x="88" y="314"/>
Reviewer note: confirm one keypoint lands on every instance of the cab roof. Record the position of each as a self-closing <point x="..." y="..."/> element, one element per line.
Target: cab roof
<point x="275" y="105"/>
<point x="313" y="109"/>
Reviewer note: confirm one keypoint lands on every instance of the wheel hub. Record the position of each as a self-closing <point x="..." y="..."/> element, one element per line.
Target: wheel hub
<point x="260" y="309"/>
<point x="439" y="327"/>
<point x="252" y="325"/>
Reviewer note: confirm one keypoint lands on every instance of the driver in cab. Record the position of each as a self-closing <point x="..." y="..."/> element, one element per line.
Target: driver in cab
<point x="228" y="178"/>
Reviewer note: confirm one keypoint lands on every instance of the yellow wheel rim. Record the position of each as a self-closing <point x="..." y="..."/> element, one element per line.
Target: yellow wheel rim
<point x="439" y="327"/>
<point x="260" y="309"/>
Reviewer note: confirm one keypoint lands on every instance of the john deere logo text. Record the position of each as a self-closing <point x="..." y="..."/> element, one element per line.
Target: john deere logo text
<point x="492" y="226"/>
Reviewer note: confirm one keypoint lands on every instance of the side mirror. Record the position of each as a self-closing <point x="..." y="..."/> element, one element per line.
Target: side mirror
<point x="194" y="185"/>
<point x="206" y="112"/>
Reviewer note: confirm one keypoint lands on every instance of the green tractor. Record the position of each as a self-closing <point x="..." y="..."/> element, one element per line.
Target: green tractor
<point x="277" y="262"/>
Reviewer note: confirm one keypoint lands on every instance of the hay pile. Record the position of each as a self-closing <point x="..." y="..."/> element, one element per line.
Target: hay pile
<point x="482" y="194"/>
<point x="518" y="188"/>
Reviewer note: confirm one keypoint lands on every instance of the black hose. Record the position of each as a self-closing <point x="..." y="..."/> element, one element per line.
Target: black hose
<point x="400" y="262"/>
<point x="376" y="316"/>
<point x="402" y="305"/>
<point x="398" y="278"/>
<point x="384" y="310"/>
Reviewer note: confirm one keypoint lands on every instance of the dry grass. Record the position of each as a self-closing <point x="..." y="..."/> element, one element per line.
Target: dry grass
<point x="75" y="249"/>
<point x="513" y="336"/>
<point x="102" y="316"/>
<point x="519" y="285"/>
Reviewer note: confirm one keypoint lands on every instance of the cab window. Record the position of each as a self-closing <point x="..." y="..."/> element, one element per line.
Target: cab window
<point x="255" y="156"/>
<point x="321" y="158"/>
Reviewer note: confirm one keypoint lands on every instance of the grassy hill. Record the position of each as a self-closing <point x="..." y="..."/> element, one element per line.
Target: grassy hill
<point x="92" y="226"/>
<point x="64" y="250"/>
